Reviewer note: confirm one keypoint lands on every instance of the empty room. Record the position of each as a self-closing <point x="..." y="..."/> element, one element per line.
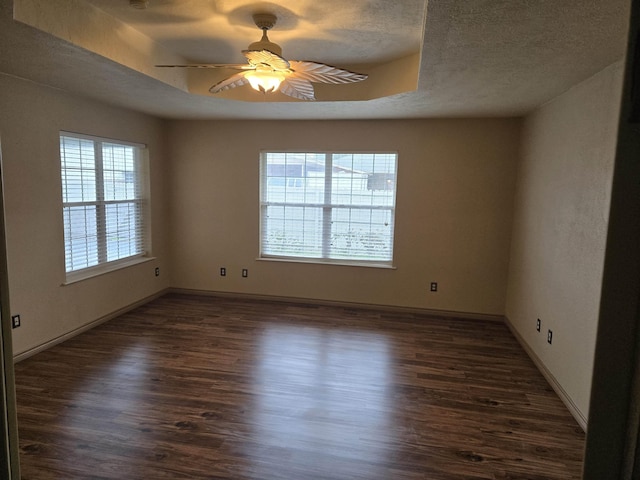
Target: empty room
<point x="316" y="240"/>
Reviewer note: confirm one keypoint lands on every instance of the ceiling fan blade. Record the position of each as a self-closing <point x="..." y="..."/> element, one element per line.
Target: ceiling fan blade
<point x="257" y="57"/>
<point x="323" y="73"/>
<point x="297" y="88"/>
<point x="231" y="66"/>
<point x="235" y="80"/>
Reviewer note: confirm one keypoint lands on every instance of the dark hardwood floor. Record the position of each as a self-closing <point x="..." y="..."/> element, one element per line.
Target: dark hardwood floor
<point x="210" y="388"/>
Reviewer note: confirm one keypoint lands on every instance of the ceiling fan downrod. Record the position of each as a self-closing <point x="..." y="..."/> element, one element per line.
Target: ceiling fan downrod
<point x="265" y="22"/>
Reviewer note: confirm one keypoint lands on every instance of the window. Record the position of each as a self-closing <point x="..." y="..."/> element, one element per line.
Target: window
<point x="103" y="202"/>
<point x="330" y="207"/>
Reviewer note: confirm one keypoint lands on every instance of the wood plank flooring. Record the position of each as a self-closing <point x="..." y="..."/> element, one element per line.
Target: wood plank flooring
<point x="192" y="387"/>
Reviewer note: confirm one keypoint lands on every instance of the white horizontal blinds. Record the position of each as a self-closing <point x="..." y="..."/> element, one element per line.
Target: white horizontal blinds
<point x="363" y="203"/>
<point x="78" y="161"/>
<point x="292" y="204"/>
<point x="333" y="206"/>
<point x="103" y="201"/>
<point x="123" y="202"/>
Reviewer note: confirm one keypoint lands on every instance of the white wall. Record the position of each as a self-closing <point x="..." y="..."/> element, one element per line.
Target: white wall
<point x="32" y="117"/>
<point x="453" y="223"/>
<point x="560" y="224"/>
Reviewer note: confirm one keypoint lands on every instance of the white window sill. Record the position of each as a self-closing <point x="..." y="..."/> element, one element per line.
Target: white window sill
<point x="79" y="276"/>
<point x="324" y="261"/>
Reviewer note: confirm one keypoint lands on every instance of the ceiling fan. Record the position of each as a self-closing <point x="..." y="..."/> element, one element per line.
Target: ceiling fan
<point x="267" y="71"/>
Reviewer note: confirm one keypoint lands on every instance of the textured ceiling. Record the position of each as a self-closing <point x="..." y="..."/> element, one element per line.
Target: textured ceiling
<point x="357" y="31"/>
<point x="474" y="57"/>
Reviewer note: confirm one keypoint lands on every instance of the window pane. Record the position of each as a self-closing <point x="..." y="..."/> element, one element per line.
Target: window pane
<point x="363" y="179"/>
<point x="80" y="237"/>
<point x="361" y="234"/>
<point x="293" y="231"/>
<point x="293" y="178"/>
<point x="119" y="175"/>
<point x="78" y="170"/>
<point x="122" y="232"/>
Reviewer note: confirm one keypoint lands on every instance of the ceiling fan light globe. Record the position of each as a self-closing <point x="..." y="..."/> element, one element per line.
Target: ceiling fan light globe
<point x="264" y="81"/>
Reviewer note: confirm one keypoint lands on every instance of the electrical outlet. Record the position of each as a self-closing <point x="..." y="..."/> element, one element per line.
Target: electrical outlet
<point x="157" y="271"/>
<point x="223" y="272"/>
<point x="245" y="272"/>
<point x="15" y="321"/>
<point x="434" y="286"/>
<point x="549" y="337"/>
<point x="538" y="325"/>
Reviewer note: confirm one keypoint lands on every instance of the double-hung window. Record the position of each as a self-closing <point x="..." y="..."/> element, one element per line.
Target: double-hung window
<point x="104" y="203"/>
<point x="328" y="207"/>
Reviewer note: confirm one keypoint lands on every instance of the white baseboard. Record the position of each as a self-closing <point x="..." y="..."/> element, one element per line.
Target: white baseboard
<point x="564" y="396"/>
<point x="40" y="348"/>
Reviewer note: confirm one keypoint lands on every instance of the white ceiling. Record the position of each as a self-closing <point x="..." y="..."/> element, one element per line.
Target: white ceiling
<point x="474" y="57"/>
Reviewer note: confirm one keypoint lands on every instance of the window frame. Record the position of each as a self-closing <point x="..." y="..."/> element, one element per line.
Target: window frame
<point x="141" y="201"/>
<point x="327" y="208"/>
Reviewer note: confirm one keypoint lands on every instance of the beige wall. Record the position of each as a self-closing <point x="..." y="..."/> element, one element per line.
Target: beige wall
<point x="31" y="119"/>
<point x="456" y="185"/>
<point x="453" y="211"/>
<point x="453" y="224"/>
<point x="560" y="224"/>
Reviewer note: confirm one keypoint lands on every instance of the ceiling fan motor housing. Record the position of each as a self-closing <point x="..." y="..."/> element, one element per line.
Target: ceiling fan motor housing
<point x="264" y="21"/>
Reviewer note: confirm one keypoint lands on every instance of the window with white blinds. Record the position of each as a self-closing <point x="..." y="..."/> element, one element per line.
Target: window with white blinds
<point x="104" y="201"/>
<point x="329" y="207"/>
